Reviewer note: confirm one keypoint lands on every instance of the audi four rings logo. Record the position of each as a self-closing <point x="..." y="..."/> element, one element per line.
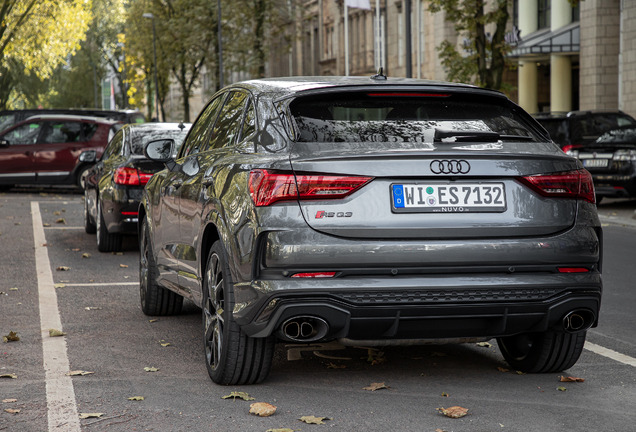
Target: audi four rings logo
<point x="450" y="167"/>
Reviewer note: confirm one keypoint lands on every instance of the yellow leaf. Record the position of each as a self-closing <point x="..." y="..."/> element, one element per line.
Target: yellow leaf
<point x="46" y="224"/>
<point x="453" y="412"/>
<point x="313" y="419"/>
<point x="136" y="398"/>
<point x="63" y="268"/>
<point x="165" y="344"/>
<point x="153" y="320"/>
<point x="375" y="386"/>
<point x="90" y="415"/>
<point x="56" y="333"/>
<point x="262" y="409"/>
<point x="572" y="379"/>
<point x="61" y="221"/>
<point x="11" y="337"/>
<point x="79" y="372"/>
<point x="56" y="213"/>
<point x="9" y="400"/>
<point x="86" y="255"/>
<point x="520" y="373"/>
<point x="92" y="308"/>
<point x="562" y="389"/>
<point x="12" y="411"/>
<point x="123" y="266"/>
<point x="444" y="394"/>
<point x="151" y="369"/>
<point x="484" y="344"/>
<point x="59" y="285"/>
<point x="13" y="289"/>
<point x="14" y="376"/>
<point x="241" y="395"/>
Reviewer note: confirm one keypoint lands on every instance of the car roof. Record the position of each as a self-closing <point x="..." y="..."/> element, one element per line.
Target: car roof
<point x="564" y="114"/>
<point x="71" y="118"/>
<point x="141" y="127"/>
<point x="289" y="86"/>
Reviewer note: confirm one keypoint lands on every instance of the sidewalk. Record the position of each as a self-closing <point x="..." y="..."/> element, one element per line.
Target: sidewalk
<point x="618" y="212"/>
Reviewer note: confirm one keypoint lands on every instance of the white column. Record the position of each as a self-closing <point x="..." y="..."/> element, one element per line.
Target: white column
<point x="528" y="88"/>
<point x="560" y="83"/>
<point x="528" y="17"/>
<point x="561" y="14"/>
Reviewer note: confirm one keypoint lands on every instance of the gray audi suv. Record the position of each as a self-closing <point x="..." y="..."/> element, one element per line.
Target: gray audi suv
<point x="374" y="212"/>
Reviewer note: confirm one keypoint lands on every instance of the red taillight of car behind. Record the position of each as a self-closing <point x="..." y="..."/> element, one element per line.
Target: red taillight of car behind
<point x="570" y="184"/>
<point x="131" y="177"/>
<point x="267" y="187"/>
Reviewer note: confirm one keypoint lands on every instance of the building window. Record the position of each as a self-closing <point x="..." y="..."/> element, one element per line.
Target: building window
<point x="515" y="13"/>
<point x="545" y="7"/>
<point x="576" y="13"/>
<point x="400" y="39"/>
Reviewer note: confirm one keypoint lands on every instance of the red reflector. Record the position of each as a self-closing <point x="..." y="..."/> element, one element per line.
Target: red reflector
<point x="619" y="187"/>
<point x="314" y="275"/>
<point x="267" y="187"/>
<point x="411" y="94"/>
<point x="573" y="270"/>
<point x="568" y="147"/>
<point x="131" y="177"/>
<point x="571" y="184"/>
<point x="130" y="213"/>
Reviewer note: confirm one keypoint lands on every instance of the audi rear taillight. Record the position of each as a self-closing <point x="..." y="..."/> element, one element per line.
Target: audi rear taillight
<point x="268" y="187"/>
<point x="570" y="184"/>
<point x="131" y="177"/>
<point x="314" y="275"/>
<point x="573" y="270"/>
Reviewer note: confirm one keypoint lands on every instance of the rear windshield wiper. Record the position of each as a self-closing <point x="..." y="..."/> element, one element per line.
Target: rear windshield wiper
<point x="476" y="136"/>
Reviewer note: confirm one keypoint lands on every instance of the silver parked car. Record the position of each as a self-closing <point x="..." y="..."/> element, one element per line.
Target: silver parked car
<point x="374" y="212"/>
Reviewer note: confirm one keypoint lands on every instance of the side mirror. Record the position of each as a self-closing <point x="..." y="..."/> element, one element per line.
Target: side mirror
<point x="160" y="150"/>
<point x="4" y="142"/>
<point x="88" y="156"/>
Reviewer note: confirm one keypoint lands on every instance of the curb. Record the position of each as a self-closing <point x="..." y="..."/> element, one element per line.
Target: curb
<point x="621" y="221"/>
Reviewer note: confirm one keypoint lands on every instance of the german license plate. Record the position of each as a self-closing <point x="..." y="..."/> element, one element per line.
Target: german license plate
<point x="595" y="163"/>
<point x="448" y="198"/>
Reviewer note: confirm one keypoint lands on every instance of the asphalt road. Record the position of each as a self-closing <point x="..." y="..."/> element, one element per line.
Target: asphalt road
<point x="116" y="341"/>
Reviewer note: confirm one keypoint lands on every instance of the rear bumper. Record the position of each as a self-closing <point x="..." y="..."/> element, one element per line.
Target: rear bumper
<point x="422" y="308"/>
<point x="121" y="210"/>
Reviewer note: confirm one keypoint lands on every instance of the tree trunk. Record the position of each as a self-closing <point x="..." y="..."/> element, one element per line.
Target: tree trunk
<point x="185" y="92"/>
<point x="260" y="7"/>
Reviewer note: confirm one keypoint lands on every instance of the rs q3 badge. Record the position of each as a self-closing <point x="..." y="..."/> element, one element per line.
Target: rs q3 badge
<point x="324" y="214"/>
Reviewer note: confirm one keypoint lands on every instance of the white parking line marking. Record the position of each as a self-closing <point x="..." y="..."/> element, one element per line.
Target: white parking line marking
<point x="98" y="284"/>
<point x="63" y="228"/>
<point x="606" y="352"/>
<point x="60" y="395"/>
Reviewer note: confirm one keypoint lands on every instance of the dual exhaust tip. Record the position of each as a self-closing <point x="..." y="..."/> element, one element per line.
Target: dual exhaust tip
<point x="578" y="320"/>
<point x="305" y="329"/>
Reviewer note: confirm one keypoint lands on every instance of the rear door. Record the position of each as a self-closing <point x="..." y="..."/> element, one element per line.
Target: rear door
<point x="56" y="153"/>
<point x="440" y="166"/>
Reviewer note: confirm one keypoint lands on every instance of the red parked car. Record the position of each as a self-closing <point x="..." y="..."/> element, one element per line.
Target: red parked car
<point x="44" y="149"/>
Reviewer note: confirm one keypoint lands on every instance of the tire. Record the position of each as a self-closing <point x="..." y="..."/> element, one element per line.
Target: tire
<point x="80" y="180"/>
<point x="106" y="242"/>
<point x="89" y="223"/>
<point x="546" y="352"/>
<point x="155" y="300"/>
<point x="231" y="356"/>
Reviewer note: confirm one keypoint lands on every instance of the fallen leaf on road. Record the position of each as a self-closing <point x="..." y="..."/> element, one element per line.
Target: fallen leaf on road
<point x="9" y="400"/>
<point x="116" y="253"/>
<point x="61" y="221"/>
<point x="453" y="412"/>
<point x="440" y="430"/>
<point x="484" y="344"/>
<point x="136" y="398"/>
<point x="153" y="320"/>
<point x="151" y="369"/>
<point x="17" y="223"/>
<point x="375" y="356"/>
<point x="44" y="244"/>
<point x="562" y="389"/>
<point x="313" y="419"/>
<point x="572" y="379"/>
<point x="90" y="415"/>
<point x="240" y="395"/>
<point x="262" y="409"/>
<point x="75" y="250"/>
<point x="56" y="213"/>
<point x="165" y="344"/>
<point x="11" y="337"/>
<point x="8" y="376"/>
<point x="86" y="255"/>
<point x="92" y="308"/>
<point x="335" y="366"/>
<point x="123" y="266"/>
<point x="282" y="430"/>
<point x="500" y="369"/>
<point x="444" y="394"/>
<point x="520" y="373"/>
<point x="59" y="285"/>
<point x="79" y="372"/>
<point x="63" y="268"/>
<point x="56" y="333"/>
<point x="12" y="411"/>
<point x="13" y="289"/>
<point x="375" y="386"/>
<point x="46" y="224"/>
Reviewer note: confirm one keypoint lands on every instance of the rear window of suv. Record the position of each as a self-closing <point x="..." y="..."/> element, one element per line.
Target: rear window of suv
<point x="404" y="117"/>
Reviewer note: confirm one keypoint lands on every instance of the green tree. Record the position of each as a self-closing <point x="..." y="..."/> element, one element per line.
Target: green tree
<point x="486" y="59"/>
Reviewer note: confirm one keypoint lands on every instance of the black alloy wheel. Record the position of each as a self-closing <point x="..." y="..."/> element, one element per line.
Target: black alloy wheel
<point x="89" y="224"/>
<point x="155" y="300"/>
<point x="545" y="352"/>
<point x="231" y="356"/>
<point x="106" y="242"/>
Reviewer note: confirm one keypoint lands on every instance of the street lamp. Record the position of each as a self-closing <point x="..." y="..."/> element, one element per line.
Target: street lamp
<point x="154" y="48"/>
<point x="123" y="80"/>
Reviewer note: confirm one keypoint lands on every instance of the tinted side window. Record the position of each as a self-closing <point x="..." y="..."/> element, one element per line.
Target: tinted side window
<point x="249" y="122"/>
<point x="62" y="132"/>
<point x="89" y="130"/>
<point x="114" y="146"/>
<point x="201" y="127"/>
<point x="228" y="124"/>
<point x="25" y="134"/>
<point x="6" y="121"/>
